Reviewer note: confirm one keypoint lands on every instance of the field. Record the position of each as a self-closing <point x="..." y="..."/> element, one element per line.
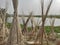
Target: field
<point x="47" y="28"/>
<point x="16" y="33"/>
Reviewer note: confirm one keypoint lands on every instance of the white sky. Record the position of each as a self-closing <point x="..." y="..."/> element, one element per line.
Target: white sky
<point x="31" y="5"/>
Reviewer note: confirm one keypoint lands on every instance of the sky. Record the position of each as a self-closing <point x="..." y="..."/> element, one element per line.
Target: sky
<point x="27" y="6"/>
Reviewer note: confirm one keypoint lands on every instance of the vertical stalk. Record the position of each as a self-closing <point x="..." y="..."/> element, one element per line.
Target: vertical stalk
<point x="42" y="27"/>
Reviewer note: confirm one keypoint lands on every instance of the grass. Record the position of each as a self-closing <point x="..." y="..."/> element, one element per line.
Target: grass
<point x="56" y="29"/>
<point x="47" y="28"/>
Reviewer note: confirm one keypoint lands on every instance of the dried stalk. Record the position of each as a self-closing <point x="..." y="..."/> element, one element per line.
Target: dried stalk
<point x="52" y="35"/>
<point x="44" y="17"/>
<point x="3" y="27"/>
<point x="25" y="23"/>
<point x="16" y="37"/>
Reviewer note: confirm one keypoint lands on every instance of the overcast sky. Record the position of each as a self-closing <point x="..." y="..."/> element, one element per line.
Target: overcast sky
<point x="31" y="5"/>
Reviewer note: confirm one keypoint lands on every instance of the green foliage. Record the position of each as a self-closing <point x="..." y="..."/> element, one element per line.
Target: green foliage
<point x="29" y="28"/>
<point x="47" y="28"/>
<point x="21" y="25"/>
<point x="57" y="29"/>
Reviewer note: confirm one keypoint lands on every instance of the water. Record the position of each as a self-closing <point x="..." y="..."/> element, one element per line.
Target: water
<point x="37" y="20"/>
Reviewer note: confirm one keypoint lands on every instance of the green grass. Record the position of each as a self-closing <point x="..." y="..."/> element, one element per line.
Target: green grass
<point x="56" y="29"/>
<point x="47" y="28"/>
